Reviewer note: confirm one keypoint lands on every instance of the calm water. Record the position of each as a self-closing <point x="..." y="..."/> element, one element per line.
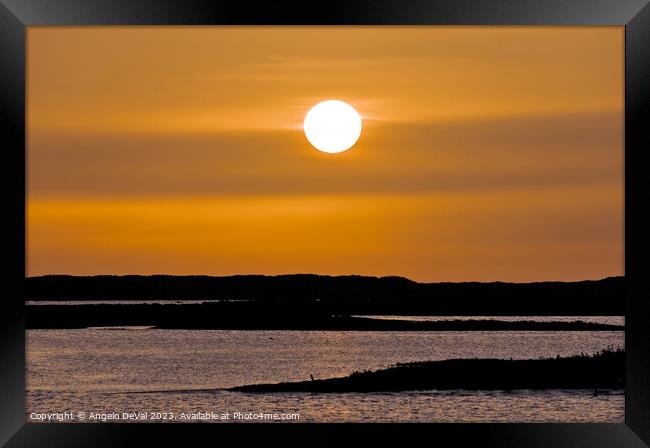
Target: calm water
<point x="610" y="320"/>
<point x="105" y="370"/>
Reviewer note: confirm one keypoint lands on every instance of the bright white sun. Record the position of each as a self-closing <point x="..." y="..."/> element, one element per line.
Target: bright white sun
<point x="332" y="126"/>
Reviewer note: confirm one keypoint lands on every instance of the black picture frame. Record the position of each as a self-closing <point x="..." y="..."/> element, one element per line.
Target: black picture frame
<point x="16" y="15"/>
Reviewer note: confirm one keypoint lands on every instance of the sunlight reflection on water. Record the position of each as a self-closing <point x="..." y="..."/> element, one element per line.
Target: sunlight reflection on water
<point x="77" y="369"/>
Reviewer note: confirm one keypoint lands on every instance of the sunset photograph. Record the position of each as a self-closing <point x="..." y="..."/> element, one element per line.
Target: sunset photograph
<point x="317" y="224"/>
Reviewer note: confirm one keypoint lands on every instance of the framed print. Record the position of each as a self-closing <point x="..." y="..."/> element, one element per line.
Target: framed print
<point x="368" y="219"/>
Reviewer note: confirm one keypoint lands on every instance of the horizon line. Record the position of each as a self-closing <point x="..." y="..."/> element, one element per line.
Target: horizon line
<point x="326" y="275"/>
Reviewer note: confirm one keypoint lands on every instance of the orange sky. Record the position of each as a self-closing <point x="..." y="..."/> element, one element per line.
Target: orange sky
<point x="488" y="153"/>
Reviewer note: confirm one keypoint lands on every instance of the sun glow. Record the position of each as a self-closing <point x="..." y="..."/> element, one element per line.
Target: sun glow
<point x="332" y="126"/>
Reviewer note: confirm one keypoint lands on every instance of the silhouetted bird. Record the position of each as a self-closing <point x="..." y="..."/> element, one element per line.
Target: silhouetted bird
<point x="311" y="376"/>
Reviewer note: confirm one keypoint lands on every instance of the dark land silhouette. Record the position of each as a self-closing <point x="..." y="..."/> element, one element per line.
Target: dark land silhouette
<point x="263" y="316"/>
<point x="349" y="295"/>
<point x="312" y="302"/>
<point x="604" y="370"/>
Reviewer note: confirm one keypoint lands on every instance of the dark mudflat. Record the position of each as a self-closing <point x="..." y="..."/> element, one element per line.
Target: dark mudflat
<point x="605" y="370"/>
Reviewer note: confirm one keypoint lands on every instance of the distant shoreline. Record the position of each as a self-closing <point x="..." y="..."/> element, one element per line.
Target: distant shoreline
<point x="216" y="316"/>
<point x="307" y="294"/>
<point x="604" y="370"/>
